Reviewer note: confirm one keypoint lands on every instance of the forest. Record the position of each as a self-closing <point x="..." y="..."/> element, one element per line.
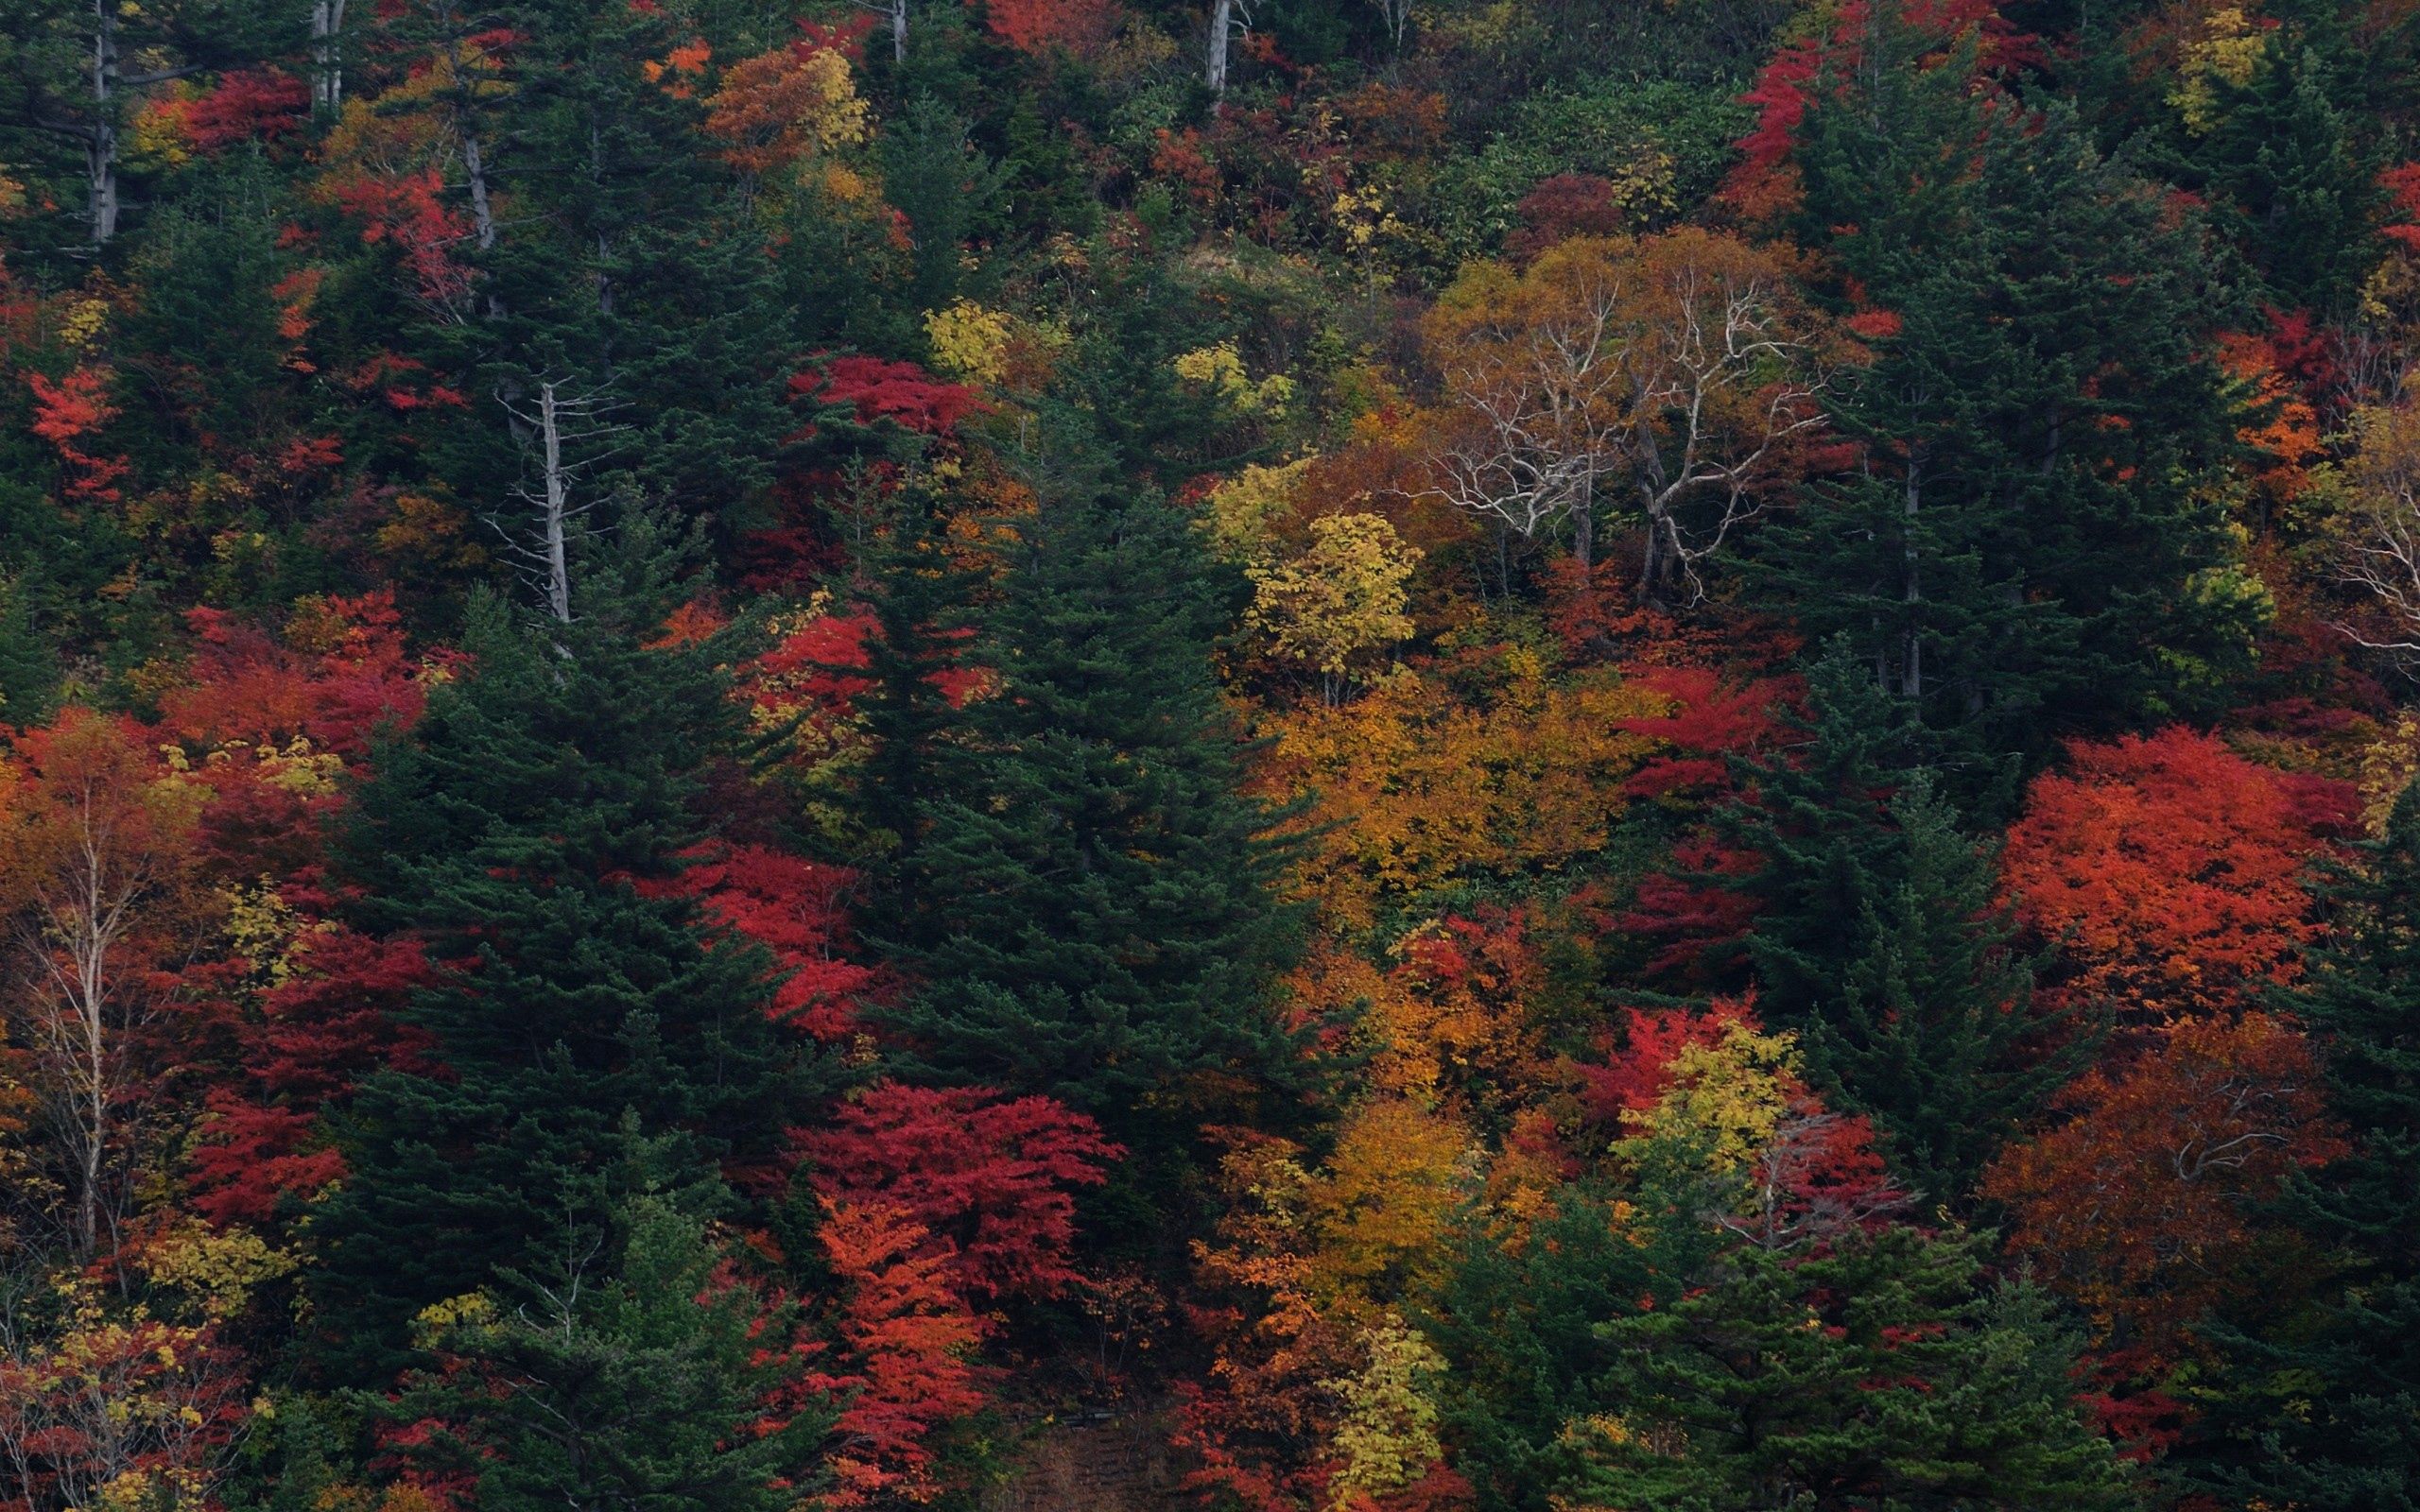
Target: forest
<point x="1236" y="755"/>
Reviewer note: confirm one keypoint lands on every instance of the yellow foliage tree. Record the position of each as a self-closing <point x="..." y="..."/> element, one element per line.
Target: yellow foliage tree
<point x="1382" y="1203"/>
<point x="1412" y="788"/>
<point x="1341" y="597"/>
<point x="1388" y="1439"/>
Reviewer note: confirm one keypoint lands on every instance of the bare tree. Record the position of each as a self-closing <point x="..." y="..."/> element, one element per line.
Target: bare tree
<point x="327" y="55"/>
<point x="562" y="429"/>
<point x="1229" y="19"/>
<point x="894" y="12"/>
<point x="1681" y="371"/>
<point x="1396" y="16"/>
<point x="2378" y="537"/>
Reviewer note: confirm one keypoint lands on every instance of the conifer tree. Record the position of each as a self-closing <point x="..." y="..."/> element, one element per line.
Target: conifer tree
<point x="1879" y="939"/>
<point x="2030" y="548"/>
<point x="1872" y="1373"/>
<point x="528" y="834"/>
<point x="2326" y="1415"/>
<point x="1933" y="1032"/>
<point x="1101" y="923"/>
<point x="632" y="1367"/>
<point x="917" y="598"/>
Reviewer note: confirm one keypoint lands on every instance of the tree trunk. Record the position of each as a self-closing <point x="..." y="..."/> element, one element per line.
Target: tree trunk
<point x="482" y="209"/>
<point x="328" y="55"/>
<point x="898" y="31"/>
<point x="100" y="147"/>
<point x="558" y="554"/>
<point x="1213" y="71"/>
<point x="1912" y="671"/>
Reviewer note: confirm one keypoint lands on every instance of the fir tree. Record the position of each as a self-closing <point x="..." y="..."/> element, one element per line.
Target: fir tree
<point x="1932" y="1032"/>
<point x="2031" y="549"/>
<point x="529" y="832"/>
<point x="632" y="1369"/>
<point x="1872" y="1373"/>
<point x="1101" y="923"/>
<point x="2326" y="1415"/>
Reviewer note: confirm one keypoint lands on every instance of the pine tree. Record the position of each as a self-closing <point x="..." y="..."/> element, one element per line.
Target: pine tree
<point x="2326" y="1415"/>
<point x="1872" y="1373"/>
<point x="1100" y="921"/>
<point x="529" y="833"/>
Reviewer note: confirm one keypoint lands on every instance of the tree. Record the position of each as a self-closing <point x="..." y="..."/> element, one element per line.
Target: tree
<point x="991" y="1180"/>
<point x="2028" y="547"/>
<point x="1101" y="925"/>
<point x="2169" y="871"/>
<point x="1868" y="1373"/>
<point x="2377" y="534"/>
<point x="1342" y="596"/>
<point x="99" y="874"/>
<point x="2143" y="1204"/>
<point x="904" y="1357"/>
<point x="531" y="834"/>
<point x="1683" y="371"/>
<point x="1935" y="1032"/>
<point x="2327" y="1410"/>
<point x="635" y="1368"/>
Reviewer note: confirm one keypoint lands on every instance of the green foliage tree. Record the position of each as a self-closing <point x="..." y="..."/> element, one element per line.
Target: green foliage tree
<point x="530" y="833"/>
<point x="2325" y="1413"/>
<point x="1102" y="923"/>
<point x="634" y="1370"/>
<point x="2034" y="547"/>
<point x="1872" y="1373"/>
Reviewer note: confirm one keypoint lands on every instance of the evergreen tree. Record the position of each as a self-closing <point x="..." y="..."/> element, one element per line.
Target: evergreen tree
<point x="2325" y="1416"/>
<point x="1871" y="1373"/>
<point x="2031" y="549"/>
<point x="1817" y="815"/>
<point x="1518" y="1324"/>
<point x="1100" y="920"/>
<point x="2298" y="187"/>
<point x="1879" y="937"/>
<point x="530" y="833"/>
<point x="634" y="1370"/>
<point x="917" y="597"/>
<point x="1933" y="1032"/>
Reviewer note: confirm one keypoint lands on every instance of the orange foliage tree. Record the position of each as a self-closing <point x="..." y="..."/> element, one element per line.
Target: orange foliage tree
<point x="1679" y="372"/>
<point x="2169" y="871"/>
<point x="2141" y="1205"/>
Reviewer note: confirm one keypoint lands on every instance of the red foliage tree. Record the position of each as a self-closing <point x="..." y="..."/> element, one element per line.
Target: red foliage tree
<point x="2169" y="871"/>
<point x="897" y="392"/>
<point x="904" y="1358"/>
<point x="794" y="908"/>
<point x="2142" y="1205"/>
<point x="989" y="1181"/>
<point x="337" y="1019"/>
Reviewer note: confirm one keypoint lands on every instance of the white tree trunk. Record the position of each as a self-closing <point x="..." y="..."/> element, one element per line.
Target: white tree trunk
<point x="327" y="55"/>
<point x="100" y="147"/>
<point x="1223" y="22"/>
<point x="557" y="507"/>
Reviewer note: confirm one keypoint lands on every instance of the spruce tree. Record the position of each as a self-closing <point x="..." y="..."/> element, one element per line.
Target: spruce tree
<point x="1879" y="937"/>
<point x="2324" y="1415"/>
<point x="1101" y="923"/>
<point x="1933" y="1031"/>
<point x="918" y="599"/>
<point x="529" y="833"/>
